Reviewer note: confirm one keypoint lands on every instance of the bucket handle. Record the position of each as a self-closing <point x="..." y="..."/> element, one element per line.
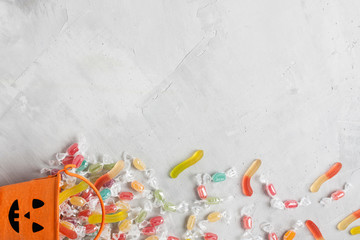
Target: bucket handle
<point x="66" y="169"/>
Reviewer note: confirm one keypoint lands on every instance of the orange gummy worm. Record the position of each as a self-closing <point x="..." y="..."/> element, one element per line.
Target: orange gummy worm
<point x="315" y="231"/>
<point x="246" y="187"/>
<point x="348" y="220"/>
<point x="323" y="178"/>
<point x="109" y="175"/>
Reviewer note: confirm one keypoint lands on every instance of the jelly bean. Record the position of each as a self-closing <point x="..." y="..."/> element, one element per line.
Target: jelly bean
<point x="172" y="238"/>
<point x="159" y="195"/>
<point x="218" y="177"/>
<point x="125" y="226"/>
<point x="152" y="238"/>
<point x="128" y="196"/>
<point x="141" y="216"/>
<point x="337" y="194"/>
<point x="149" y="230"/>
<point x="247" y="222"/>
<point x="85" y="213"/>
<point x="73" y="149"/>
<point x="122" y="236"/>
<point x="138" y="164"/>
<point x="246" y="187"/>
<point x="109" y="166"/>
<point x="348" y="220"/>
<point x="78" y="159"/>
<point x="291" y="204"/>
<point x="87" y="194"/>
<point x="323" y="178"/>
<point x="67" y="229"/>
<point x="187" y="163"/>
<point x="314" y="230"/>
<point x="109" y="218"/>
<point x="105" y="193"/>
<point x="190" y="222"/>
<point x="77" y="201"/>
<point x="68" y="160"/>
<point x="156" y="221"/>
<point x="169" y="207"/>
<point x="214" y="217"/>
<point x="289" y="235"/>
<point x="72" y="191"/>
<point x="84" y="165"/>
<point x="110" y="175"/>
<point x="123" y="206"/>
<point x="202" y="191"/>
<point x="355" y="230"/>
<point x="210" y="236"/>
<point x="137" y="186"/>
<point x="95" y="168"/>
<point x="90" y="228"/>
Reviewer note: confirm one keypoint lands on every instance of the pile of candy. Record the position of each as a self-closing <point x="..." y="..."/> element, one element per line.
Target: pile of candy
<point x="131" y="194"/>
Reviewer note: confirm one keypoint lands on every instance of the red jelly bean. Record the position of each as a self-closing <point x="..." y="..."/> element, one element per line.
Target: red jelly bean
<point x="338" y="194"/>
<point x="156" y="221"/>
<point x="78" y="160"/>
<point x="73" y="149"/>
<point x="172" y="238"/>
<point x="291" y="204"/>
<point x="270" y="190"/>
<point x="272" y="236"/>
<point x="149" y="230"/>
<point x="85" y="213"/>
<point x="68" y="160"/>
<point x="247" y="222"/>
<point x="86" y="195"/>
<point x="128" y="196"/>
<point x="108" y="184"/>
<point x="202" y="191"/>
<point x="90" y="228"/>
<point x="111" y="209"/>
<point x="210" y="236"/>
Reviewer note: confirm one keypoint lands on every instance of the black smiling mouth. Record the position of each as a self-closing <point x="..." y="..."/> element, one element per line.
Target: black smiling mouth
<point x="14" y="214"/>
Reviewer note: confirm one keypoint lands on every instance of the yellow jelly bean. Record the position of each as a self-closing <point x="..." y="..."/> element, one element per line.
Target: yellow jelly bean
<point x="125" y="226"/>
<point x="137" y="186"/>
<point x="138" y="164"/>
<point x="190" y="222"/>
<point x="123" y="206"/>
<point x="77" y="201"/>
<point x="214" y="217"/>
<point x="72" y="191"/>
<point x="109" y="218"/>
<point x="152" y="238"/>
<point x="187" y="163"/>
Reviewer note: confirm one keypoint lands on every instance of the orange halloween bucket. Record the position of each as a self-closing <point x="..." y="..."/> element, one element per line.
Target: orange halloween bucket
<point x="30" y="210"/>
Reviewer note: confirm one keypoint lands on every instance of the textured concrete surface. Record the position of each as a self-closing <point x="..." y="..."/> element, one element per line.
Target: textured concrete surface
<point x="276" y="80"/>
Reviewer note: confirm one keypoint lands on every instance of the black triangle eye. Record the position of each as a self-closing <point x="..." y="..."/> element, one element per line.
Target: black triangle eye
<point x="36" y="203"/>
<point x="27" y="215"/>
<point x="36" y="227"/>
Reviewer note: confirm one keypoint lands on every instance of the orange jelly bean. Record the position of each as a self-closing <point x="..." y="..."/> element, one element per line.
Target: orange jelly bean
<point x="137" y="186"/>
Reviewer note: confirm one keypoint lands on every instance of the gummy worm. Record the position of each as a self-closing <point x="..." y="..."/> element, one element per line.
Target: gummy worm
<point x="72" y="191"/>
<point x="109" y="218"/>
<point x="109" y="175"/>
<point x="246" y="187"/>
<point x="314" y="230"/>
<point x="187" y="163"/>
<point x="323" y="178"/>
<point x="355" y="230"/>
<point x="348" y="220"/>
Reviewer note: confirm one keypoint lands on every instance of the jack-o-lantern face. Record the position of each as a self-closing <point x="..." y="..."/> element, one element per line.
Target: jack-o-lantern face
<point x="13" y="215"/>
<point x="30" y="210"/>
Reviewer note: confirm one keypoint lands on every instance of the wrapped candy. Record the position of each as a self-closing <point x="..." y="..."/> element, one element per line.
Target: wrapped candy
<point x="269" y="229"/>
<point x="336" y="195"/>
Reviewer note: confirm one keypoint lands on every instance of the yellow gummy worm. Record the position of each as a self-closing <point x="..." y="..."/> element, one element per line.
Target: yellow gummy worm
<point x="72" y="191"/>
<point x="355" y="230"/>
<point x="109" y="218"/>
<point x="187" y="163"/>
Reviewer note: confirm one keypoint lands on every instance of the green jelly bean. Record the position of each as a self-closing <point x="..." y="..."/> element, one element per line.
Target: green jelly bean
<point x="159" y="195"/>
<point x="109" y="166"/>
<point x="213" y="200"/>
<point x="218" y="177"/>
<point x="169" y="207"/>
<point x="141" y="217"/>
<point x="94" y="177"/>
<point x="83" y="166"/>
<point x="95" y="168"/>
<point x="105" y="193"/>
